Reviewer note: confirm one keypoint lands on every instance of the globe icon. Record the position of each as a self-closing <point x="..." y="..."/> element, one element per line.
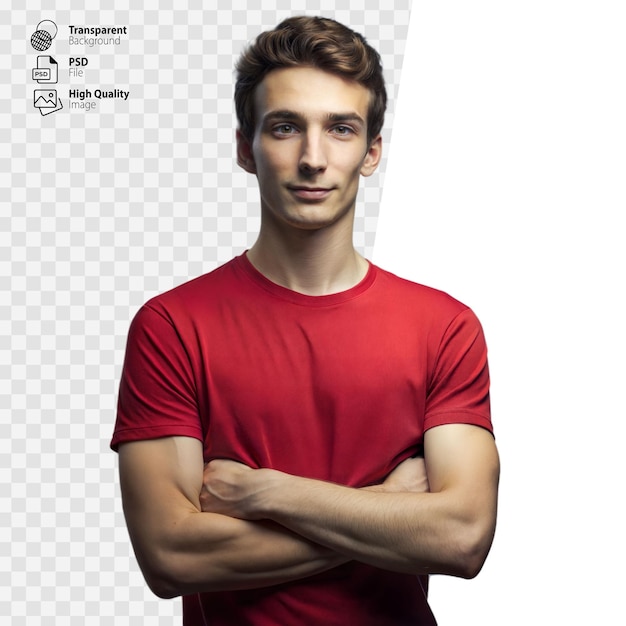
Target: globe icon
<point x="41" y="40"/>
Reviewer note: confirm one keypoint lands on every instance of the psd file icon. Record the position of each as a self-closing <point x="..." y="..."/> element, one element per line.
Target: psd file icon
<point x="47" y="101"/>
<point x="47" y="70"/>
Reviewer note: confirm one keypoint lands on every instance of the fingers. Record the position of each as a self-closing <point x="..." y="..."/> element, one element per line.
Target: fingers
<point x="226" y="488"/>
<point x="410" y="475"/>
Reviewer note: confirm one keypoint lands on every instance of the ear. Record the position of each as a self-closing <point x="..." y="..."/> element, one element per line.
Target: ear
<point x="245" y="158"/>
<point x="373" y="156"/>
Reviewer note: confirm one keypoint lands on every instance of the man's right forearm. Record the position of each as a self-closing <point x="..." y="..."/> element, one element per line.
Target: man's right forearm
<point x="210" y="552"/>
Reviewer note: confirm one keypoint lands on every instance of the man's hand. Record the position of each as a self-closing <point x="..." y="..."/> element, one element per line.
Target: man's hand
<point x="410" y="475"/>
<point x="232" y="488"/>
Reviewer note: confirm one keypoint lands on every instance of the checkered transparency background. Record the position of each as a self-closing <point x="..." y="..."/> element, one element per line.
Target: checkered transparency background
<point x="99" y="211"/>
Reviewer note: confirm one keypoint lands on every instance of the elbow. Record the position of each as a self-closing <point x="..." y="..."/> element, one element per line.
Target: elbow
<point x="472" y="547"/>
<point x="164" y="574"/>
<point x="469" y="565"/>
<point x="461" y="550"/>
<point x="163" y="589"/>
<point x="171" y="575"/>
<point x="162" y="582"/>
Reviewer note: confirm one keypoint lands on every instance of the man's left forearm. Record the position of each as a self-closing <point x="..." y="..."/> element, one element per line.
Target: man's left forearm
<point x="417" y="533"/>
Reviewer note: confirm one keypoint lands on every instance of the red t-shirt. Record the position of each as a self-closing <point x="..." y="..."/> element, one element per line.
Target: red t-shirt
<point x="338" y="388"/>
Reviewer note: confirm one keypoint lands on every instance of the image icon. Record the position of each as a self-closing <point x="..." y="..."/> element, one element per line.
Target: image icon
<point x="45" y="98"/>
<point x="47" y="101"/>
<point x="42" y="38"/>
<point x="47" y="70"/>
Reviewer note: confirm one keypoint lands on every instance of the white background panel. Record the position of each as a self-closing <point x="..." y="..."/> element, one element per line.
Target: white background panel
<point x="506" y="187"/>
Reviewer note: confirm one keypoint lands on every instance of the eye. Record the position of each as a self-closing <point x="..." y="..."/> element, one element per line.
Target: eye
<point x="343" y="131"/>
<point x="285" y="129"/>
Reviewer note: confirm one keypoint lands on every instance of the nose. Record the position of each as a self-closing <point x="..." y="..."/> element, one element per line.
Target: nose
<point x="313" y="157"/>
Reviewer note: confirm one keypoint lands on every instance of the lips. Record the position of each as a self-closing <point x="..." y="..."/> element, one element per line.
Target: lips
<point x="310" y="193"/>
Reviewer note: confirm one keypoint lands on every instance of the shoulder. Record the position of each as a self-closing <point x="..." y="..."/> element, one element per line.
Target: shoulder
<point x="195" y="296"/>
<point x="428" y="301"/>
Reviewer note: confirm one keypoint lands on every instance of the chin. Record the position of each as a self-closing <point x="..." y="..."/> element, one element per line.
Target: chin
<point x="311" y="222"/>
<point x="316" y="216"/>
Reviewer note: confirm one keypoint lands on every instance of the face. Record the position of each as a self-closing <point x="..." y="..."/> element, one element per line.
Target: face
<point x="310" y="147"/>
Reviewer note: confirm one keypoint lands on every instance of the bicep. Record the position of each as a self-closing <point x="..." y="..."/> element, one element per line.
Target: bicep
<point x="462" y="459"/>
<point x="160" y="481"/>
<point x="149" y="467"/>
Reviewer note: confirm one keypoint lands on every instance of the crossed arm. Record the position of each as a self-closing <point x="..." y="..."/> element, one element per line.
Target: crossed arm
<point x="232" y="527"/>
<point x="182" y="550"/>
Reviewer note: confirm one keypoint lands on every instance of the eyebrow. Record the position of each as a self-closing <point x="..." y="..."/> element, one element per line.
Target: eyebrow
<point x="345" y="117"/>
<point x="350" y="116"/>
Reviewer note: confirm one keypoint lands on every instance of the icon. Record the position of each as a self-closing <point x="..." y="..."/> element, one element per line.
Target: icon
<point x="42" y="38"/>
<point x="46" y="101"/>
<point x="47" y="70"/>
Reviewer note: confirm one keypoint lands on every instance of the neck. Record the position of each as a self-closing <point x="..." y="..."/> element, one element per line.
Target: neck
<point x="313" y="262"/>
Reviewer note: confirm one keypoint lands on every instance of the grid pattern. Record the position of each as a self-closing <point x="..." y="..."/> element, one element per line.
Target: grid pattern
<point x="100" y="210"/>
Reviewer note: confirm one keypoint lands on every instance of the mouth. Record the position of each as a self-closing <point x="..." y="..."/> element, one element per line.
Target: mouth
<point x="310" y="193"/>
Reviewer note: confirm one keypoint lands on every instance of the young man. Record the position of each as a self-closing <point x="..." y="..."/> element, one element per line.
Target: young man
<point x="278" y="416"/>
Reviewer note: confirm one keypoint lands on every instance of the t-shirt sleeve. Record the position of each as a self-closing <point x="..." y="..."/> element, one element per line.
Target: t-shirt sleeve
<point x="157" y="396"/>
<point x="458" y="392"/>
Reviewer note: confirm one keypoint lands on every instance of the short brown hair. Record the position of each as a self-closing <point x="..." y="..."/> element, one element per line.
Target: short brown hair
<point x="310" y="41"/>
